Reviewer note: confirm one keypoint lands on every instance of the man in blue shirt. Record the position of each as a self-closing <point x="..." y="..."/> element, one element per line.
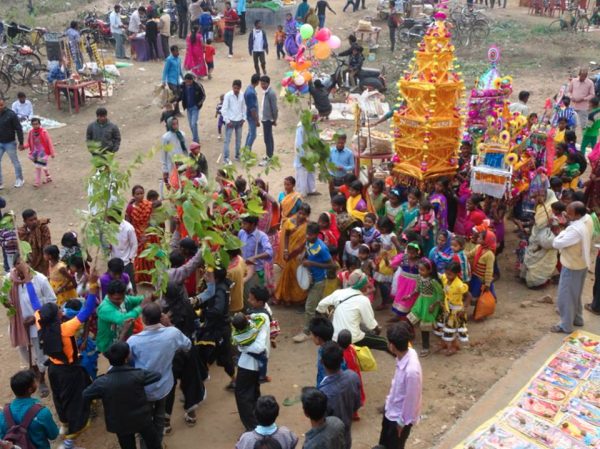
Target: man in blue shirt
<point x="343" y="160"/>
<point x="252" y="109"/>
<point x="42" y="428"/>
<point x="256" y="250"/>
<point x="153" y="349"/>
<point x="241" y="10"/>
<point x="172" y="73"/>
<point x="317" y="260"/>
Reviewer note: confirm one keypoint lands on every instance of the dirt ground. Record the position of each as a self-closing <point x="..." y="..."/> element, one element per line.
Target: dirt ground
<point x="538" y="62"/>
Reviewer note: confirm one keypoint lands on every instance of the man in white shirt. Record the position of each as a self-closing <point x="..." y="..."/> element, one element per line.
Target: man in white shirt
<point x="233" y="112"/>
<point x="353" y="309"/>
<point x="126" y="249"/>
<point x="247" y="383"/>
<point x="22" y="107"/>
<point x="42" y="289"/>
<point x="135" y="21"/>
<point x="117" y="30"/>
<point x="258" y="47"/>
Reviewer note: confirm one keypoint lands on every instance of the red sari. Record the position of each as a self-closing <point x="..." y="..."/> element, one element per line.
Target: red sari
<point x="194" y="56"/>
<point x="139" y="215"/>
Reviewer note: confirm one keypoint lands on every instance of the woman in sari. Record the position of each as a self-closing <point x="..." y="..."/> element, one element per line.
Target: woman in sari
<point x="410" y="210"/>
<point x="292" y="239"/>
<point x="405" y="280"/>
<point x="440" y="205"/>
<point x="539" y="262"/>
<point x="290" y="45"/>
<point x="269" y="223"/>
<point x="138" y="213"/>
<point x="194" y="54"/>
<point x="289" y="199"/>
<point x="464" y="193"/>
<point x="560" y="160"/>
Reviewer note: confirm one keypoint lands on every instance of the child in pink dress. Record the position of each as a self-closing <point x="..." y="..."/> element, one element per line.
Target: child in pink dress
<point x="40" y="148"/>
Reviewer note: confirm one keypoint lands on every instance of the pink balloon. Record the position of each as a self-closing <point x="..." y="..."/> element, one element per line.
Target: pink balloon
<point x="323" y="35"/>
<point x="334" y="42"/>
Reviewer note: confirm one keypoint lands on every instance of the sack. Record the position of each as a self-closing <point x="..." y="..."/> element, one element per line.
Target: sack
<point x="365" y="357"/>
<point x="17" y="433"/>
<point x="486" y="305"/>
<point x="162" y="96"/>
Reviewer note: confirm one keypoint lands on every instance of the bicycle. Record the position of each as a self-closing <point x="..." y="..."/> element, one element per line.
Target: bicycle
<point x="4" y="85"/>
<point x="575" y="19"/>
<point x="25" y="70"/>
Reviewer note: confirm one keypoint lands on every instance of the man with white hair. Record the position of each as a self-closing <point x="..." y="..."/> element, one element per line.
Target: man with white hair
<point x="581" y="90"/>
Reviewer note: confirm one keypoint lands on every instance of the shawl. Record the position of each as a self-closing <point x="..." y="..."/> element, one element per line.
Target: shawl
<point x="178" y="134"/>
<point x="19" y="336"/>
<point x="352" y="204"/>
<point x="44" y="140"/>
<point x="288" y="204"/>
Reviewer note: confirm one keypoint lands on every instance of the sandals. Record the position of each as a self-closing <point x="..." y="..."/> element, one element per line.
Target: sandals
<point x="424" y="353"/>
<point x="557" y="329"/>
<point x="588" y="307"/>
<point x="189" y="419"/>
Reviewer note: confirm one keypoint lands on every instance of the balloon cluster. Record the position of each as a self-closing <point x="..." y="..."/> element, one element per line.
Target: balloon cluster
<point x="312" y="46"/>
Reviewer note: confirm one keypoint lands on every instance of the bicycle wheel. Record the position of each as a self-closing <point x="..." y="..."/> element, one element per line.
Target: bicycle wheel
<point x="38" y="80"/>
<point x="582" y="25"/>
<point x="4" y="85"/>
<point x="482" y="28"/>
<point x="557" y="25"/>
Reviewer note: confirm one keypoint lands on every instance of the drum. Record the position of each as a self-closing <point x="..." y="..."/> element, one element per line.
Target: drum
<point x="303" y="277"/>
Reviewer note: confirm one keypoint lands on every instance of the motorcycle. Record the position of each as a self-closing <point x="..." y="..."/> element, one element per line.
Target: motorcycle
<point x="367" y="77"/>
<point x="413" y="30"/>
<point x="98" y="28"/>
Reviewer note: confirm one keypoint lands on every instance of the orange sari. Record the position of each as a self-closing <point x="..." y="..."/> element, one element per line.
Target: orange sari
<point x="288" y="204"/>
<point x="287" y="289"/>
<point x="140" y="219"/>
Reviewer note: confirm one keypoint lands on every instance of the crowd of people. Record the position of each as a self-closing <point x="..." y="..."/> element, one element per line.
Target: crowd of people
<point x="425" y="256"/>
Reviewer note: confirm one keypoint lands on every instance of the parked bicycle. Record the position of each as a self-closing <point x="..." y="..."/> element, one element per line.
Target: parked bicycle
<point x="23" y="67"/>
<point x="574" y="19"/>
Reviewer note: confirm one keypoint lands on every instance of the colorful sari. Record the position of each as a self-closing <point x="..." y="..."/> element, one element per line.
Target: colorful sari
<point x="287" y="289"/>
<point x="139" y="215"/>
<point x="269" y="223"/>
<point x="558" y="165"/>
<point x="464" y="193"/>
<point x="331" y="235"/>
<point x="58" y="281"/>
<point x="409" y="216"/>
<point x="357" y="207"/>
<point x="194" y="56"/>
<point x="592" y="190"/>
<point x="291" y="31"/>
<point x="441" y="257"/>
<point x="440" y="205"/>
<point x="290" y="203"/>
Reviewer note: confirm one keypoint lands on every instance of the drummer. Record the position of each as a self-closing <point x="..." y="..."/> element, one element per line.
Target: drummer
<point x="256" y="250"/>
<point x="318" y="260"/>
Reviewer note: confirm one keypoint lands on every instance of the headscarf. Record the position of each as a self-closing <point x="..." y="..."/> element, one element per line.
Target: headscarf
<point x="442" y="256"/>
<point x="357" y="280"/>
<point x="178" y="134"/>
<point x="414" y="245"/>
<point x="488" y="243"/>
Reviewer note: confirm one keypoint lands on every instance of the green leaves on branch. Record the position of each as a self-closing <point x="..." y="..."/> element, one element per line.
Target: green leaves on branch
<point x="5" y="288"/>
<point x="316" y="151"/>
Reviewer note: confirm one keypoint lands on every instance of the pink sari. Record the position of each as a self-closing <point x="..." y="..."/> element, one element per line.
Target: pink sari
<point x="194" y="56"/>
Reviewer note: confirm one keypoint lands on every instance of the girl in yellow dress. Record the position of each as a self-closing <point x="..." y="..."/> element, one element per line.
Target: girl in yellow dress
<point x="456" y="301"/>
<point x="61" y="280"/>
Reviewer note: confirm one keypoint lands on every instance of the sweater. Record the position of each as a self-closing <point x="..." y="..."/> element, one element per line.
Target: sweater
<point x="107" y="134"/>
<point x="484" y="269"/>
<point x="111" y="319"/>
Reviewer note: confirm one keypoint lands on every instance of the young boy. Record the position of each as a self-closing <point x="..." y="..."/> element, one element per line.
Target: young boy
<point x="403" y="403"/>
<point x="244" y="334"/>
<point x="590" y="132"/>
<point x="28" y="412"/>
<point x="321" y="331"/>
<point x="266" y="412"/>
<point x="209" y="57"/>
<point x="116" y="272"/>
<point x="258" y="301"/>
<point x="126" y="409"/>
<point x="326" y="431"/>
<point x="279" y="41"/>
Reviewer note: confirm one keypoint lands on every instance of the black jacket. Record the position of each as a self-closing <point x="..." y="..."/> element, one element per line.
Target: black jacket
<point x="199" y="95"/>
<point x="251" y="42"/>
<point x="126" y="409"/>
<point x="215" y="313"/>
<point x="9" y="126"/>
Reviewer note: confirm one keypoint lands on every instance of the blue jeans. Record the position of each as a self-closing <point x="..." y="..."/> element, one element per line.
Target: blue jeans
<point x="11" y="149"/>
<point x="193" y="112"/>
<point x="119" y="45"/>
<point x="237" y="127"/>
<point x="251" y="137"/>
<point x="321" y="20"/>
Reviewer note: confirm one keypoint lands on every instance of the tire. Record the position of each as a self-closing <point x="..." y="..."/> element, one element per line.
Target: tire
<point x="483" y="26"/>
<point x="38" y="81"/>
<point x="478" y="34"/>
<point x="4" y="85"/>
<point x="582" y="25"/>
<point x="404" y="35"/>
<point x="35" y="59"/>
<point x="557" y="25"/>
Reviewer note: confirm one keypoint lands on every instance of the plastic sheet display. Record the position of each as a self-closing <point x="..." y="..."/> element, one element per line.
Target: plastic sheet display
<point x="559" y="408"/>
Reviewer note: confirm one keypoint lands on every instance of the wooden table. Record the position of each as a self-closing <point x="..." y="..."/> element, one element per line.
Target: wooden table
<point x="78" y="91"/>
<point x="360" y="34"/>
<point x="368" y="157"/>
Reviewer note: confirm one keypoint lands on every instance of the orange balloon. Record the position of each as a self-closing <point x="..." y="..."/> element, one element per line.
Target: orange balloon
<point x="322" y="50"/>
<point x="300" y="66"/>
<point x="307" y="76"/>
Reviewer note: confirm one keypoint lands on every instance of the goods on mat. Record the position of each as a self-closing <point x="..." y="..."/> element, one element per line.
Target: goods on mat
<point x="428" y="126"/>
<point x="559" y="408"/>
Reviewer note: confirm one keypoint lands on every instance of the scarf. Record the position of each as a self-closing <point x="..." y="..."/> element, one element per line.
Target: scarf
<point x="19" y="335"/>
<point x="45" y="141"/>
<point x="357" y="280"/>
<point x="178" y="134"/>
